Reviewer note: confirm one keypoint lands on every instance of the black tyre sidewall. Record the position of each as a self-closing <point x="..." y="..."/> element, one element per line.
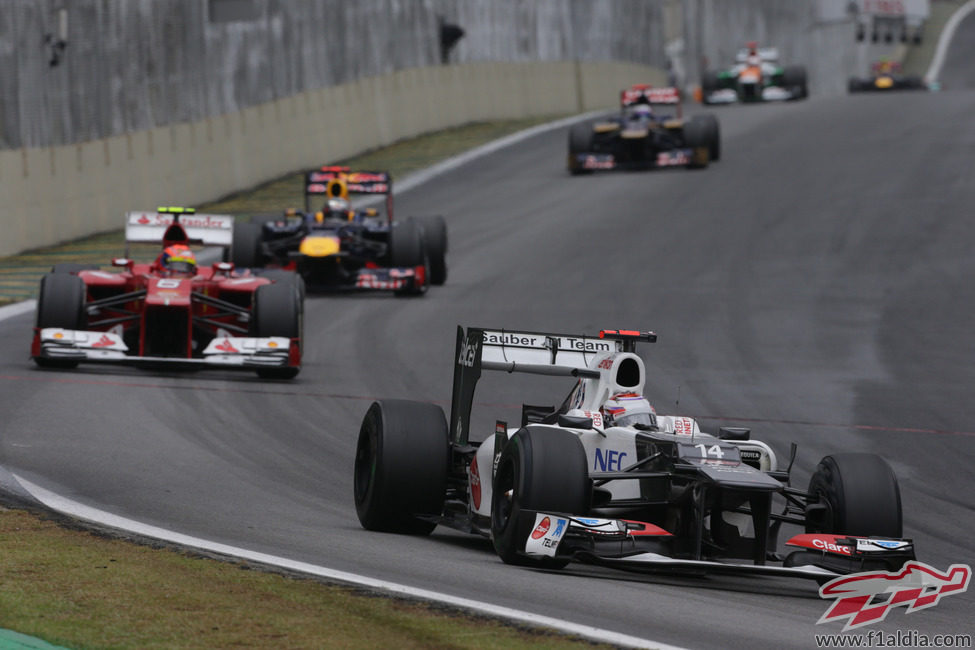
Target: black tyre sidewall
<point x="435" y="242"/>
<point x="61" y="303"/>
<point x="245" y="249"/>
<point x="277" y="312"/>
<point x="547" y="470"/>
<point x="401" y="466"/>
<point x="861" y="494"/>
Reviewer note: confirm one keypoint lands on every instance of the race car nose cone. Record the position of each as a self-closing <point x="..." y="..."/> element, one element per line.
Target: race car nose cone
<point x="319" y="246"/>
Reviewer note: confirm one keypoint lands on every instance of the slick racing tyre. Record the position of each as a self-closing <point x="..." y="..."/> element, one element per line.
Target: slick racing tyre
<point x="277" y="312"/>
<point x="61" y="303"/>
<point x="280" y="276"/>
<point x="709" y="84"/>
<point x="698" y="135"/>
<point x="435" y="242"/>
<point x="794" y="79"/>
<point x="860" y="493"/>
<point x="400" y="471"/>
<point x="580" y="141"/>
<point x="406" y="249"/>
<point x="713" y="135"/>
<point x="539" y="469"/>
<point x="245" y="251"/>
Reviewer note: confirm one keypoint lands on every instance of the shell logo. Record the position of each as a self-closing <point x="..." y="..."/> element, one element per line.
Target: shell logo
<point x="59" y="335"/>
<point x="272" y="344"/>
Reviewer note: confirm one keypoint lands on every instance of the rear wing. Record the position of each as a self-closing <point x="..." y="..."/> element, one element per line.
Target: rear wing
<point x="646" y="94"/>
<point x="340" y="182"/>
<point x="560" y="355"/>
<point x="158" y="227"/>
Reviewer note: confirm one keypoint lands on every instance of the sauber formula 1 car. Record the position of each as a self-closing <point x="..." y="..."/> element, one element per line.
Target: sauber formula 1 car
<point x="603" y="479"/>
<point x="342" y="248"/>
<point x="755" y="77"/>
<point x="164" y="315"/>
<point x="886" y="75"/>
<point x="639" y="138"/>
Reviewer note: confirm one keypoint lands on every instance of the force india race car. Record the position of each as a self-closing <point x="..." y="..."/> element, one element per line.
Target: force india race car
<point x="151" y="315"/>
<point x="886" y="75"/>
<point x="640" y="138"/>
<point x="339" y="247"/>
<point x="603" y="479"/>
<point x="755" y="77"/>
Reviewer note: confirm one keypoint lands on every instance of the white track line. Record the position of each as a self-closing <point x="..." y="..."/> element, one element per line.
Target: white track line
<point x="944" y="40"/>
<point x="81" y="511"/>
<point x="16" y="309"/>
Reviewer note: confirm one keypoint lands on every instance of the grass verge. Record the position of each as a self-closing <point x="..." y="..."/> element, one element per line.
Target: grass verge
<point x="78" y="589"/>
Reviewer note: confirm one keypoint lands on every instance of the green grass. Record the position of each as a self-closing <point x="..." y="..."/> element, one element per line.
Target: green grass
<point x="77" y="589"/>
<point x="20" y="274"/>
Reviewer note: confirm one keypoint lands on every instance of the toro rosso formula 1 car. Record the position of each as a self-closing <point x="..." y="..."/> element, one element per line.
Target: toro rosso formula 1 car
<point x="603" y="479"/>
<point x="640" y="138"/>
<point x="886" y="75"/>
<point x="755" y="77"/>
<point x="338" y="247"/>
<point x="171" y="313"/>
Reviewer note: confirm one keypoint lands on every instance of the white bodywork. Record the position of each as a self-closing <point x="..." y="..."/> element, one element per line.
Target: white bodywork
<point x="608" y="449"/>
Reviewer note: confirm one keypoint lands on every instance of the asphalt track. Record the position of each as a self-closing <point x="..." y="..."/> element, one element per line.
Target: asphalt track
<point x="816" y="285"/>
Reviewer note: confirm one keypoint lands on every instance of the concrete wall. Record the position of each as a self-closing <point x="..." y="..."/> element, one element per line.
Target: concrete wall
<point x="54" y="194"/>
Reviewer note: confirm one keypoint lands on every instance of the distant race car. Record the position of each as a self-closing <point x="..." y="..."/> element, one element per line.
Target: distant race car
<point x="639" y="137"/>
<point x="602" y="479"/>
<point x="756" y="76"/>
<point x="341" y="247"/>
<point x="171" y="313"/>
<point x="886" y="75"/>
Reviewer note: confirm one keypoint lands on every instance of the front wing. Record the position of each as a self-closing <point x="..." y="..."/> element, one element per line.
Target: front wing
<point x="598" y="161"/>
<point x="231" y="352"/>
<point x="643" y="547"/>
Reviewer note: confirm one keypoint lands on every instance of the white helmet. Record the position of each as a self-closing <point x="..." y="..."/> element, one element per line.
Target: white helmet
<point x="627" y="410"/>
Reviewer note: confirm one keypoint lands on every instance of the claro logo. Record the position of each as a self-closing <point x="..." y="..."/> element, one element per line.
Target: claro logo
<point x="468" y="351"/>
<point x="829" y="546"/>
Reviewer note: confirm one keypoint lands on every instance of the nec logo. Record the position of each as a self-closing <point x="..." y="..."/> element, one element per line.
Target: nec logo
<point x="610" y="461"/>
<point x="468" y="352"/>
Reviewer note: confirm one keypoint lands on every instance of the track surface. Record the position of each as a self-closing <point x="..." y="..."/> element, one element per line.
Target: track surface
<point x="817" y="283"/>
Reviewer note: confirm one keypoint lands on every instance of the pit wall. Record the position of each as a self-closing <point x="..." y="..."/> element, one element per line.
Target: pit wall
<point x="55" y="194"/>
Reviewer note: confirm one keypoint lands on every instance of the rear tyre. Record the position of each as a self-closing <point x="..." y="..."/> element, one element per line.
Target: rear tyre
<point x="435" y="242"/>
<point x="277" y="312"/>
<point x="539" y="469"/>
<point x="400" y="471"/>
<point x="61" y="303"/>
<point x="406" y="250"/>
<point x="580" y="141"/>
<point x="861" y="496"/>
<point x="697" y="136"/>
<point x="245" y="251"/>
<point x="709" y="84"/>
<point x="794" y="78"/>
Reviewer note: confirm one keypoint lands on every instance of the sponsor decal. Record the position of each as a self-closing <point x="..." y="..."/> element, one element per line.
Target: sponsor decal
<point x="227" y="346"/>
<point x="609" y="460"/>
<point x="590" y="161"/>
<point x="104" y="342"/>
<point x="541" y="528"/>
<point x="468" y="352"/>
<point x="574" y="343"/>
<point x="596" y="417"/>
<point x="683" y="426"/>
<point x="606" y="364"/>
<point x="475" y="484"/>
<point x="827" y="545"/>
<point x="868" y="545"/>
<point x="673" y="158"/>
<point x="210" y="221"/>
<point x="867" y="598"/>
<point x="750" y="454"/>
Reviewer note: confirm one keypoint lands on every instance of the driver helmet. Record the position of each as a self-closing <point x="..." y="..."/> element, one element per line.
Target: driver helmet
<point x="178" y="259"/>
<point x="627" y="410"/>
<point x="338" y="207"/>
<point x="642" y="111"/>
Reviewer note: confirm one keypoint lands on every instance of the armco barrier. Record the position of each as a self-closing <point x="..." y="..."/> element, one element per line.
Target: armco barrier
<point x="61" y="193"/>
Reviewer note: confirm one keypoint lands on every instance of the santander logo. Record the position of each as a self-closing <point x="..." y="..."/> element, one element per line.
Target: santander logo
<point x="103" y="342"/>
<point x="227" y="346"/>
<point x="542" y="528"/>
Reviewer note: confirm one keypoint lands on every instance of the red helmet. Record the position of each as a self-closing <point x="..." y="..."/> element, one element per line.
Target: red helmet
<point x="178" y="259"/>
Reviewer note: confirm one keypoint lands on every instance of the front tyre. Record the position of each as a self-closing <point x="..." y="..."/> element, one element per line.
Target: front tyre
<point x="435" y="242"/>
<point x="861" y="496"/>
<point x="61" y="303"/>
<point x="540" y="469"/>
<point x="278" y="312"/>
<point x="400" y="471"/>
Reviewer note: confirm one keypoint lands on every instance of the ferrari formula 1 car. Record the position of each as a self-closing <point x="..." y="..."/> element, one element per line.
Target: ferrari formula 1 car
<point x="339" y="247"/>
<point x="755" y="77"/>
<point x="640" y="138"/>
<point x="603" y="479"/>
<point x="171" y="313"/>
<point x="886" y="75"/>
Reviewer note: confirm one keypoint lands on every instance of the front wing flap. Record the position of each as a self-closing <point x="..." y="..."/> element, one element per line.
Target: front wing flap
<point x="108" y="347"/>
<point x="599" y="161"/>
<point x="644" y="547"/>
